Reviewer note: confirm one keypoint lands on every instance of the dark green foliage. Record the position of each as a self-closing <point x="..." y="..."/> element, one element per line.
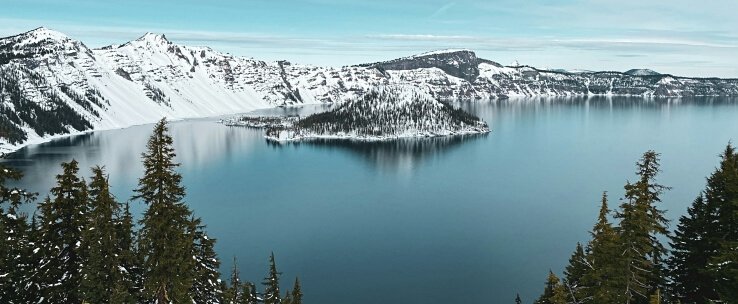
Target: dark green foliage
<point x="207" y="285"/>
<point x="128" y="287"/>
<point x="693" y="244"/>
<point x="574" y="274"/>
<point x="554" y="293"/>
<point x="722" y="194"/>
<point x="62" y="224"/>
<point x="51" y="117"/>
<point x="605" y="278"/>
<point x="82" y="247"/>
<point x="234" y="293"/>
<point x="164" y="240"/>
<point x="16" y="245"/>
<point x="271" y="283"/>
<point x="641" y="225"/>
<point x="250" y="295"/>
<point x="239" y="292"/>
<point x="287" y="297"/>
<point x="105" y="278"/>
<point x="296" y="292"/>
<point x="156" y="94"/>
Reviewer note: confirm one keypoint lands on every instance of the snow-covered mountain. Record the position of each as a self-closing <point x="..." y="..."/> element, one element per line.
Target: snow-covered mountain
<point x="642" y="72"/>
<point x="52" y="85"/>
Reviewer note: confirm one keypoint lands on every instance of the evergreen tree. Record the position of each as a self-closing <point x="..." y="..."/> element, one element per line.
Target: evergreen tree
<point x="722" y="194"/>
<point x="641" y="225"/>
<point x="250" y="296"/>
<point x="605" y="279"/>
<point x="518" y="300"/>
<point x="574" y="275"/>
<point x="554" y="293"/>
<point x="16" y="245"/>
<point x="271" y="283"/>
<point x="101" y="274"/>
<point x="693" y="244"/>
<point x="206" y="287"/>
<point x="164" y="241"/>
<point x="233" y="294"/>
<point x="287" y="297"/>
<point x="63" y="221"/>
<point x="297" y="292"/>
<point x="128" y="287"/>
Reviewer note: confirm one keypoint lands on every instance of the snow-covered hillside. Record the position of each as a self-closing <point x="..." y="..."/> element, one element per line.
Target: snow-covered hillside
<point x="385" y="112"/>
<point x="52" y="85"/>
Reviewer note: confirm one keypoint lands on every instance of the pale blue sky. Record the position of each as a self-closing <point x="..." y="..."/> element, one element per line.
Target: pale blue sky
<point x="682" y="37"/>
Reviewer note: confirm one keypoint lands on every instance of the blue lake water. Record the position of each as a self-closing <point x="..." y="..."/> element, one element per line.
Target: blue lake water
<point x="456" y="220"/>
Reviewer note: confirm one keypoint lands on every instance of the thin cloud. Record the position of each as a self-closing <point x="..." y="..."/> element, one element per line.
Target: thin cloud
<point x="442" y="10"/>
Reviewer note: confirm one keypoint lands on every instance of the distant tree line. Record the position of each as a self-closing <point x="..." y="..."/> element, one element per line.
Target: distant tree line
<point x="83" y="246"/>
<point x="626" y="262"/>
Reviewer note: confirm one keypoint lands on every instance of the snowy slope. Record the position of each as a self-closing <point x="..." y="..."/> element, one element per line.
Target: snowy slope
<point x="384" y="112"/>
<point x="51" y="85"/>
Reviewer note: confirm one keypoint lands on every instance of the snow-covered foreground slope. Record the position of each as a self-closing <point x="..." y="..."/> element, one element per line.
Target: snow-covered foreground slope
<point x="51" y="85"/>
<point x="385" y="112"/>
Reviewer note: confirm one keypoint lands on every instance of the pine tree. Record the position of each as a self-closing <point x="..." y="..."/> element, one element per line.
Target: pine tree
<point x="271" y="283"/>
<point x="250" y="296"/>
<point x="164" y="241"/>
<point x="605" y="279"/>
<point x="517" y="299"/>
<point x="554" y="293"/>
<point x="287" y="297"/>
<point x="233" y="294"/>
<point x="16" y="245"/>
<point x="206" y="287"/>
<point x="722" y="194"/>
<point x="101" y="273"/>
<point x="693" y="244"/>
<point x="641" y="225"/>
<point x="130" y="283"/>
<point x="297" y="292"/>
<point x="62" y="225"/>
<point x="574" y="275"/>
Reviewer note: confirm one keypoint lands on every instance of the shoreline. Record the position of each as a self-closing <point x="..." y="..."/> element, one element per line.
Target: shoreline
<point x="420" y="135"/>
<point x="7" y="149"/>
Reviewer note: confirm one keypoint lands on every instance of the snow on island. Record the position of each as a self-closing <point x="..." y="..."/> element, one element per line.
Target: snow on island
<point x="385" y="112"/>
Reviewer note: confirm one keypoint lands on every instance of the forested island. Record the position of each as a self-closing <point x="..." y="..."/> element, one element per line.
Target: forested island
<point x="385" y="112"/>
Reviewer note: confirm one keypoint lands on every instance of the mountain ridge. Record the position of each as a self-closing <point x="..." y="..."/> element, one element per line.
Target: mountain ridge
<point x="52" y="85"/>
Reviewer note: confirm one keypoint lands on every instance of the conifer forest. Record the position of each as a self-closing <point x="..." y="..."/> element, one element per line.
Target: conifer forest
<point x="83" y="245"/>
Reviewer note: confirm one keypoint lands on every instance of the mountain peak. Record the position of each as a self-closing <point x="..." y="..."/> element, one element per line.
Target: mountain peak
<point x="39" y="41"/>
<point x="642" y="72"/>
<point x="42" y="33"/>
<point x="461" y="63"/>
<point x="153" y="37"/>
<point x="445" y="51"/>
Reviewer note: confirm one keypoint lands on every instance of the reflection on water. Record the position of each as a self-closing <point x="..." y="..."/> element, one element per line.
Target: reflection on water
<point x="390" y="155"/>
<point x="198" y="143"/>
<point x="485" y="216"/>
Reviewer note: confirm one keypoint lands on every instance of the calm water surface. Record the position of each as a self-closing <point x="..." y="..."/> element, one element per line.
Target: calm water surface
<point x="459" y="220"/>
